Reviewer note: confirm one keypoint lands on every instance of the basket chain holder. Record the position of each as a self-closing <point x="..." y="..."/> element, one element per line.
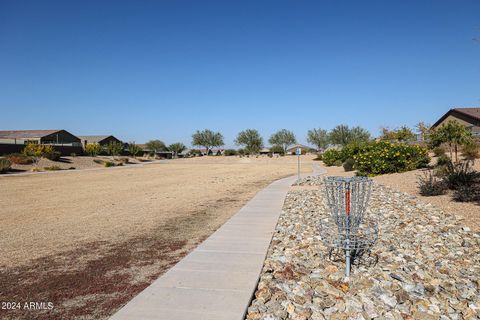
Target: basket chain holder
<point x="348" y="228"/>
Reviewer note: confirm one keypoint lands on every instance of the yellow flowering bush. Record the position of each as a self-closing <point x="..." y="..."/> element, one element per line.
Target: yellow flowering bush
<point x="386" y="157"/>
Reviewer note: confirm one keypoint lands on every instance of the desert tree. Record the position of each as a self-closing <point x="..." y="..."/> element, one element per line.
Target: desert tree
<point x="207" y="139"/>
<point x="134" y="148"/>
<point x="251" y="140"/>
<point x="423" y="129"/>
<point x="155" y="145"/>
<point x="340" y="135"/>
<point x="343" y="135"/>
<point x="176" y="148"/>
<point x="453" y="134"/>
<point x="359" y="134"/>
<point x="318" y="137"/>
<point x="282" y="138"/>
<point x="401" y="134"/>
<point x="114" y="148"/>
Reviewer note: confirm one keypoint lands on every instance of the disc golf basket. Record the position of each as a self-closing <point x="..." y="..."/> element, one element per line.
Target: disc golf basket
<point x="348" y="228"/>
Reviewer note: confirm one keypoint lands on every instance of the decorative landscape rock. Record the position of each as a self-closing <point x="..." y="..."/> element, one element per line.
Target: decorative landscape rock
<point x="425" y="264"/>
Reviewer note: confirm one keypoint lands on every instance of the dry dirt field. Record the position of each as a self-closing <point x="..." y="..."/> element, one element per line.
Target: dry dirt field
<point x="90" y="240"/>
<point x="407" y="182"/>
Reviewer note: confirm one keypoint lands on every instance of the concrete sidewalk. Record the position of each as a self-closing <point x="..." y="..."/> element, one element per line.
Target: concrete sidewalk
<point x="217" y="279"/>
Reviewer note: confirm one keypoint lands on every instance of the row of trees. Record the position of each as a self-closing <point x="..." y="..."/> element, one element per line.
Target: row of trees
<point x="249" y="139"/>
<point x="340" y="135"/>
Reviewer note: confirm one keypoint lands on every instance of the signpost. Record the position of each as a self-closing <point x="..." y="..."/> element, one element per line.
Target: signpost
<point x="298" y="152"/>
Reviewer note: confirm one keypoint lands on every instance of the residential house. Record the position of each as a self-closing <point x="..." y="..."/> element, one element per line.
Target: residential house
<point x="101" y="140"/>
<point x="469" y="117"/>
<point x="53" y="137"/>
<point x="305" y="149"/>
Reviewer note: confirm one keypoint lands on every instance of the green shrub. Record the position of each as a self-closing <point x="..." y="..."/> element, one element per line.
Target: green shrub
<point x="471" y="150"/>
<point x="331" y="157"/>
<point x="109" y="164"/>
<point x="52" y="168"/>
<point x="438" y="151"/>
<point x="430" y="185"/>
<point x="5" y="165"/>
<point x="386" y="157"/>
<point x="19" y="158"/>
<point x="467" y="193"/>
<point x="351" y="150"/>
<point x="443" y="160"/>
<point x="230" y="152"/>
<point x="98" y="161"/>
<point x="54" y="156"/>
<point x="348" y="165"/>
<point x="461" y="175"/>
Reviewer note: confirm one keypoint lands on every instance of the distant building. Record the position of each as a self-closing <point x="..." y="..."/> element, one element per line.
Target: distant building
<point x="305" y="149"/>
<point x="53" y="137"/>
<point x="469" y="117"/>
<point x="264" y="151"/>
<point x="101" y="140"/>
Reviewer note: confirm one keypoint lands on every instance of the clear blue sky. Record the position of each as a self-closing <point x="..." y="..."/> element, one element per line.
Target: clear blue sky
<point x="162" y="69"/>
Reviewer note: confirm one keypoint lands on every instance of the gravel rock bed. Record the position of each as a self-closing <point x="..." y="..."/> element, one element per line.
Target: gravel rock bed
<point x="425" y="264"/>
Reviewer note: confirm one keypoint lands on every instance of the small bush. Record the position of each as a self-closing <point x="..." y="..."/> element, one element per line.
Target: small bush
<point x="438" y="151"/>
<point x="19" y="158"/>
<point x="230" y="152"/>
<point x="108" y="164"/>
<point x="52" y="168"/>
<point x="337" y="163"/>
<point x="38" y="150"/>
<point x="443" y="160"/>
<point x="5" y="165"/>
<point x="98" y="161"/>
<point x="319" y="157"/>
<point x="348" y="165"/>
<point x="465" y="193"/>
<point x="93" y="149"/>
<point x="54" y="156"/>
<point x="332" y="157"/>
<point x="36" y="169"/>
<point x="429" y="185"/>
<point x="461" y="175"/>
<point x="471" y="151"/>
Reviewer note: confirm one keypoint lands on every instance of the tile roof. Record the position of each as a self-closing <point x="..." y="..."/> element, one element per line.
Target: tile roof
<point x="94" y="139"/>
<point x="25" y="134"/>
<point x="472" y="112"/>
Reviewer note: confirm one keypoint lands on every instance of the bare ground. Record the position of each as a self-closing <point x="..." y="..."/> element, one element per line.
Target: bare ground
<point x="89" y="241"/>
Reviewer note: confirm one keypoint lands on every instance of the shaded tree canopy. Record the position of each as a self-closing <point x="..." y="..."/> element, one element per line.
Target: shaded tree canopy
<point x="176" y="148"/>
<point x="343" y="135"/>
<point x="318" y="137"/>
<point x="208" y="139"/>
<point x="156" y="145"/>
<point x="250" y="139"/>
<point x="283" y="138"/>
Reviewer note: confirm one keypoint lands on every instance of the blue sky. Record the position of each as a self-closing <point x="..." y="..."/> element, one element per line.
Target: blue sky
<point x="162" y="69"/>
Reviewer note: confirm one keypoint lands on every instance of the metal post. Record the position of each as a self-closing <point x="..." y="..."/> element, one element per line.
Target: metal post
<point x="298" y="167"/>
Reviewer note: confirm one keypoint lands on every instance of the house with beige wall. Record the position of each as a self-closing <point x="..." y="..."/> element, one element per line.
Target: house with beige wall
<point x="469" y="117"/>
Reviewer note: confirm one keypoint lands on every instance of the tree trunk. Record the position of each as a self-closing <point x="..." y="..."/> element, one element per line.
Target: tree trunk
<point x="456" y="153"/>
